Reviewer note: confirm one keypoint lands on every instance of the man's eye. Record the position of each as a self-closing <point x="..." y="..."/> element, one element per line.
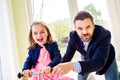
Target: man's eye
<point x="88" y="27"/>
<point x="42" y="32"/>
<point x="79" y="28"/>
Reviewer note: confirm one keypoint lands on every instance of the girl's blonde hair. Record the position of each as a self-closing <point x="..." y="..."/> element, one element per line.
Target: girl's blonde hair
<point x="31" y="40"/>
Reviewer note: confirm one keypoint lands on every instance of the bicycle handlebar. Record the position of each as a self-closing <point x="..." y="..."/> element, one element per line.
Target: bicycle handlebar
<point x="20" y="75"/>
<point x="33" y="73"/>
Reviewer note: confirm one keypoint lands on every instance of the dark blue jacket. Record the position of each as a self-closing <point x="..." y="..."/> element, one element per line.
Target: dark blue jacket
<point x="33" y="55"/>
<point x="100" y="53"/>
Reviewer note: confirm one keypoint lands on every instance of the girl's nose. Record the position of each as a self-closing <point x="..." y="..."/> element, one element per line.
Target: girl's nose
<point x="38" y="35"/>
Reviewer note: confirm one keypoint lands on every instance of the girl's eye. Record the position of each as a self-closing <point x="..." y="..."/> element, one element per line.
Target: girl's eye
<point x="35" y="33"/>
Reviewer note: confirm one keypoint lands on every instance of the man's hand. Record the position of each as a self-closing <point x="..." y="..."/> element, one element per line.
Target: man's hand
<point x="63" y="68"/>
<point x="46" y="70"/>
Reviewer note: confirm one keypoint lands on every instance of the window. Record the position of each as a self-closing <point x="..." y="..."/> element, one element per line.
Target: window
<point x="49" y="10"/>
<point x="98" y="9"/>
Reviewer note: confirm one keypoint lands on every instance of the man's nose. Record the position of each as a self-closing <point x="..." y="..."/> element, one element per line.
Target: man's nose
<point x="84" y="31"/>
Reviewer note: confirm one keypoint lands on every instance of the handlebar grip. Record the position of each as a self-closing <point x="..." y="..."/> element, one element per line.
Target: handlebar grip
<point x="20" y="75"/>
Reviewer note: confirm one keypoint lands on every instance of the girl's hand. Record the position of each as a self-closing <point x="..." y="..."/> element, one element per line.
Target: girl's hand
<point x="46" y="70"/>
<point x="27" y="73"/>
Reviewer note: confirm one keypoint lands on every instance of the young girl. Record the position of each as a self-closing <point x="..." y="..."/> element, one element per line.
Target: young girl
<point x="43" y="53"/>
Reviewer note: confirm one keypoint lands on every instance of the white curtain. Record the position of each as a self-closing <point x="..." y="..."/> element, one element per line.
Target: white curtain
<point x="7" y="48"/>
<point x="114" y="13"/>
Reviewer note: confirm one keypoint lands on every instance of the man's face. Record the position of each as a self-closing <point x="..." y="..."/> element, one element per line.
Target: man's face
<point x="84" y="29"/>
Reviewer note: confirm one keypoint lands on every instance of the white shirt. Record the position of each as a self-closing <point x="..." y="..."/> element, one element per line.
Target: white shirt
<point x="86" y="45"/>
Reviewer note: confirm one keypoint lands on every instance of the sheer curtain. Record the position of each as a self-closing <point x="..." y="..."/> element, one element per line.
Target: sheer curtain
<point x="7" y="49"/>
<point x="114" y="13"/>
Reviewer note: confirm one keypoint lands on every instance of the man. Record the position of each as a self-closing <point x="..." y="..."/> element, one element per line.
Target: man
<point x="93" y="42"/>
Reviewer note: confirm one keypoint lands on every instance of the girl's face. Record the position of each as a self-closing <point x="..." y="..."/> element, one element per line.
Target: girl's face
<point x="39" y="34"/>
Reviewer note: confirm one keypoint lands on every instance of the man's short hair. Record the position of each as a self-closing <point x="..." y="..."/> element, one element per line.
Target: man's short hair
<point x="83" y="15"/>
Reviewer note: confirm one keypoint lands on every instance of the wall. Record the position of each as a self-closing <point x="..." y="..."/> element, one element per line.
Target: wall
<point x="21" y="28"/>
